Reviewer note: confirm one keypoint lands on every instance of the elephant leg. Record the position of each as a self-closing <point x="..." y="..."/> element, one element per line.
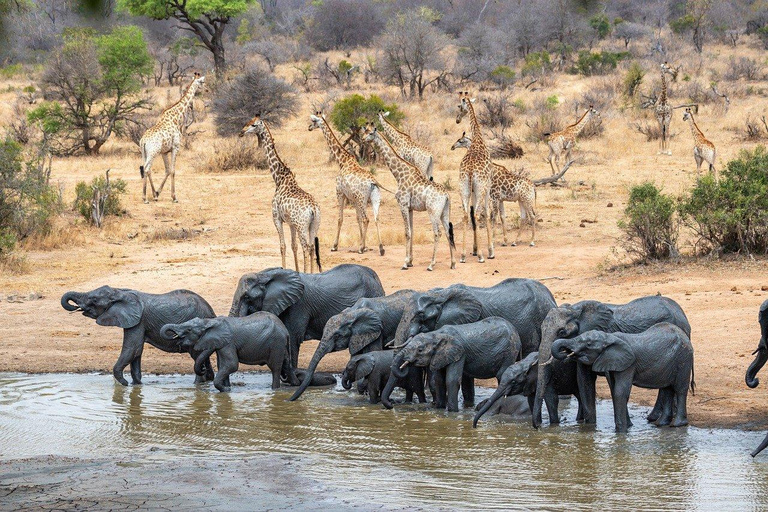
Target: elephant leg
<point x="468" y="390"/>
<point x="288" y="371"/>
<point x="133" y="345"/>
<point x="227" y="366"/>
<point x="657" y="410"/>
<point x="136" y="369"/>
<point x="206" y="375"/>
<point x="374" y="392"/>
<point x="585" y="380"/>
<point x="664" y="402"/>
<point x="552" y="401"/>
<point x="680" y="397"/>
<point x="297" y="327"/>
<point x="453" y="377"/>
<point x="621" y="386"/>
<point x="439" y="393"/>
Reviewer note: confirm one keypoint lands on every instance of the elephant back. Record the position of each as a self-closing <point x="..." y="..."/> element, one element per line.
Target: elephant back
<point x="173" y="307"/>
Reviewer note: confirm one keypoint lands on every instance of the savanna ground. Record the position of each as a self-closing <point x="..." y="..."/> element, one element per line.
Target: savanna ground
<point x="222" y="228"/>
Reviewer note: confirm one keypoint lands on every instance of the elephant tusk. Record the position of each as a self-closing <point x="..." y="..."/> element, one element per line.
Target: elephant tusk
<point x="389" y="344"/>
<point x="77" y="310"/>
<point x="404" y="365"/>
<point x="548" y="361"/>
<point x="175" y="336"/>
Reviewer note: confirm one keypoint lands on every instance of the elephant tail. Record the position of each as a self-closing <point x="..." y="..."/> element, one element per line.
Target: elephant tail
<point x="693" y="379"/>
<point x="317" y="254"/>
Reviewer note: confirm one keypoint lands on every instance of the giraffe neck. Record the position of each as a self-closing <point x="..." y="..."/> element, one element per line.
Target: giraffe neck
<point x="177" y="111"/>
<point x="478" y="144"/>
<point x="697" y="134"/>
<point x="339" y="153"/>
<point x="393" y="133"/>
<point x="663" y="95"/>
<point x="581" y="123"/>
<point x="397" y="165"/>
<point x="277" y="168"/>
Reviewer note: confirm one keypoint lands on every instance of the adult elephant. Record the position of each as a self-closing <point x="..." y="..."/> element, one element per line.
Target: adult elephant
<point x="456" y="355"/>
<point x="304" y="302"/>
<point x="522" y="302"/>
<point x="141" y="316"/>
<point x="761" y="356"/>
<point x="568" y="321"/>
<point x="364" y="327"/>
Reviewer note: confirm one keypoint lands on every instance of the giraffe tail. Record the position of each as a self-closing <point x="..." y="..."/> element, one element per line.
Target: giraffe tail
<point x="377" y="184"/>
<point x="450" y="235"/>
<point x="141" y="171"/>
<point x="317" y="254"/>
<point x="472" y="218"/>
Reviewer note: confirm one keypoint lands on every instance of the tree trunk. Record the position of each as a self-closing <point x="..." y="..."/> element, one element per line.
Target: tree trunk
<point x="219" y="62"/>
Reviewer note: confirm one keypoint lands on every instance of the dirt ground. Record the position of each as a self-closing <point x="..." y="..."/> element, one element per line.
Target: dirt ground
<point x="222" y="228"/>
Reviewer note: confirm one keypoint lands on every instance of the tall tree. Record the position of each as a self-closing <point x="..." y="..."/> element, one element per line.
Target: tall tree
<point x="207" y="19"/>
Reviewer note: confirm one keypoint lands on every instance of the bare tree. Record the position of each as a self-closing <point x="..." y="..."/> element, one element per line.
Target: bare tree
<point x="342" y="24"/>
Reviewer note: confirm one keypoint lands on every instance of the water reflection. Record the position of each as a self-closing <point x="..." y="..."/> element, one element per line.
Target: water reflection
<point x="412" y="455"/>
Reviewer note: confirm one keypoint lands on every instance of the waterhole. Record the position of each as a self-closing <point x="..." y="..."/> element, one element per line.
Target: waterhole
<point x="364" y="456"/>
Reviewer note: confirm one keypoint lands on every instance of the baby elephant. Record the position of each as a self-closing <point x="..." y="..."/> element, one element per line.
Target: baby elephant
<point x="259" y="338"/>
<point x="371" y="372"/>
<point x="659" y="358"/>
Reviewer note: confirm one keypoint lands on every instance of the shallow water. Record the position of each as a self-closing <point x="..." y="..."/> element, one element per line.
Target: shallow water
<point x="410" y="457"/>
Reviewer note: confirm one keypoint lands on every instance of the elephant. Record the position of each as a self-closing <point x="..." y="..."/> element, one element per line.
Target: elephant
<point x="259" y="338"/>
<point x="304" y="302"/>
<point x="523" y="302"/>
<point x="520" y="379"/>
<point x="456" y="355"/>
<point x="571" y="320"/>
<point x="141" y="316"/>
<point x="761" y="356"/>
<point x="371" y="371"/>
<point x="362" y="328"/>
<point x="659" y="358"/>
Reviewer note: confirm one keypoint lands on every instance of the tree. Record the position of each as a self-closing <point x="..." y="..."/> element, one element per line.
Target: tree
<point x="92" y="82"/>
<point x="695" y="21"/>
<point x="411" y="48"/>
<point x="341" y="24"/>
<point x="350" y="114"/>
<point x="207" y="19"/>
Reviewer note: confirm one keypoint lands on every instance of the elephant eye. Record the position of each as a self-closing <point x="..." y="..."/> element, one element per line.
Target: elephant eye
<point x="561" y="332"/>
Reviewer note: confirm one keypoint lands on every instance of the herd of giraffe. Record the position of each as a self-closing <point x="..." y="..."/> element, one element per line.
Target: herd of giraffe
<point x="484" y="185"/>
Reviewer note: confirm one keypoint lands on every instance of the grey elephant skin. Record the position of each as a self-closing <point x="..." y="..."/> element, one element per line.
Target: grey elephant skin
<point x="456" y="355"/>
<point x="371" y="371"/>
<point x="761" y="356"/>
<point x="304" y="302"/>
<point x="258" y="339"/>
<point x="364" y="327"/>
<point x="522" y="302"/>
<point x="658" y="358"/>
<point x="571" y="320"/>
<point x="520" y="379"/>
<point x="141" y="316"/>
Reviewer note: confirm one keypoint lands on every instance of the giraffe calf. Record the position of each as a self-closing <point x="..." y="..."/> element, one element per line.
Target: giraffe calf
<point x="703" y="150"/>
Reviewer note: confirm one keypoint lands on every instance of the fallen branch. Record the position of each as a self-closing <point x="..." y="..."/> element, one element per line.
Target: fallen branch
<point x="554" y="177"/>
<point x="724" y="96"/>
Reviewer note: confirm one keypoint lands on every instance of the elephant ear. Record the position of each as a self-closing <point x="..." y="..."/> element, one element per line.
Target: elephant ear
<point x="616" y="357"/>
<point x="364" y="367"/>
<point x="283" y="289"/>
<point x="459" y="306"/>
<point x="595" y="316"/>
<point x="217" y="335"/>
<point x="125" y="311"/>
<point x="365" y="330"/>
<point x="763" y="318"/>
<point x="446" y="352"/>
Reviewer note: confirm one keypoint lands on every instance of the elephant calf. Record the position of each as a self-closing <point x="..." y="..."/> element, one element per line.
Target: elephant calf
<point x="456" y="356"/>
<point x="260" y="338"/>
<point x="141" y="315"/>
<point x="659" y="358"/>
<point x="371" y="371"/>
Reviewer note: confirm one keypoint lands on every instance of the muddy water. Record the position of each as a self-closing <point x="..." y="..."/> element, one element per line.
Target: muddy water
<point x="358" y="455"/>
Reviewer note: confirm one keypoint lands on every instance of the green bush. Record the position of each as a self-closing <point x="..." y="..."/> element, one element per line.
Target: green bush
<point x="503" y="76"/>
<point x="552" y="102"/>
<point x="11" y="71"/>
<point x="28" y="203"/>
<point x="649" y="224"/>
<point x="351" y="113"/>
<point x="537" y="63"/>
<point x="731" y="215"/>
<point x="597" y="63"/>
<point x="633" y="79"/>
<point x="84" y="196"/>
<point x="601" y="25"/>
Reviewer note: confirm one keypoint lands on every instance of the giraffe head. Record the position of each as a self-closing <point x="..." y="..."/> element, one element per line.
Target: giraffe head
<point x="688" y="114"/>
<point x="593" y="111"/>
<point x="317" y="120"/>
<point x="369" y="132"/>
<point x="198" y="81"/>
<point x="255" y="125"/>
<point x="463" y="142"/>
<point x="463" y="105"/>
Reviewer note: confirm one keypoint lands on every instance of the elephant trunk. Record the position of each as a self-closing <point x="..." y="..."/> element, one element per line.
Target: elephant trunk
<point x="761" y="358"/>
<point x="500" y="392"/>
<point x="762" y="447"/>
<point x="68" y="298"/>
<point x="544" y="372"/>
<point x="201" y="362"/>
<point x="167" y="332"/>
<point x="239" y="308"/>
<point x="322" y="349"/>
<point x="346" y="381"/>
<point x="396" y="373"/>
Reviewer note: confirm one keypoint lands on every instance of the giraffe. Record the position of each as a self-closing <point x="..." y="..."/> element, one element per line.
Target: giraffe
<point x="475" y="174"/>
<point x="663" y="111"/>
<point x="703" y="150"/>
<point x="291" y="204"/>
<point x="164" y="138"/>
<point x="408" y="149"/>
<point x="507" y="185"/>
<point x="415" y="192"/>
<point x="354" y="185"/>
<point x="565" y="140"/>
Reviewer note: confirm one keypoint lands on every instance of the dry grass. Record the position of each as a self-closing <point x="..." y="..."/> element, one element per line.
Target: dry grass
<point x="236" y="155"/>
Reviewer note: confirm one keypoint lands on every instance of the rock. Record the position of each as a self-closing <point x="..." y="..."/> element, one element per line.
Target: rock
<point x="609" y="205"/>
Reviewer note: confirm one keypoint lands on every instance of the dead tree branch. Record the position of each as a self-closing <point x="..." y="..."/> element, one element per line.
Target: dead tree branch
<point x="555" y="177"/>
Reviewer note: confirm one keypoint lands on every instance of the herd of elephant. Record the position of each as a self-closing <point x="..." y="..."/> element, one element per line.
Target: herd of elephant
<point x="441" y="339"/>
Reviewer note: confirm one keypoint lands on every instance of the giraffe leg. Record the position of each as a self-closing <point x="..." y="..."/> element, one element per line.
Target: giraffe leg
<point x="173" y="176"/>
<point x="404" y="212"/>
<point x="306" y="245"/>
<point x="435" y="218"/>
<point x="551" y="158"/>
<point x="532" y="219"/>
<point x="524" y="219"/>
<point x="464" y="190"/>
<point x="295" y="249"/>
<point x="147" y="177"/>
<point x="375" y="203"/>
<point x="362" y="223"/>
<point x="281" y="235"/>
<point x="410" y="240"/>
<point x="342" y="201"/>
<point x="167" y="164"/>
<point x="698" y="165"/>
<point x="502" y="214"/>
<point x="474" y="215"/>
<point x="485" y="197"/>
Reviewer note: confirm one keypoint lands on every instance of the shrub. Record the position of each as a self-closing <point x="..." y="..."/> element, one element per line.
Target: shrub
<point x="253" y="92"/>
<point x="537" y="64"/>
<point x="633" y="79"/>
<point x="236" y="155"/>
<point x="649" y="224"/>
<point x="601" y="25"/>
<point x="28" y="203"/>
<point x="503" y="76"/>
<point x="743" y="67"/>
<point x="350" y="114"/>
<point x="84" y="197"/>
<point x="597" y="63"/>
<point x="731" y="215"/>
